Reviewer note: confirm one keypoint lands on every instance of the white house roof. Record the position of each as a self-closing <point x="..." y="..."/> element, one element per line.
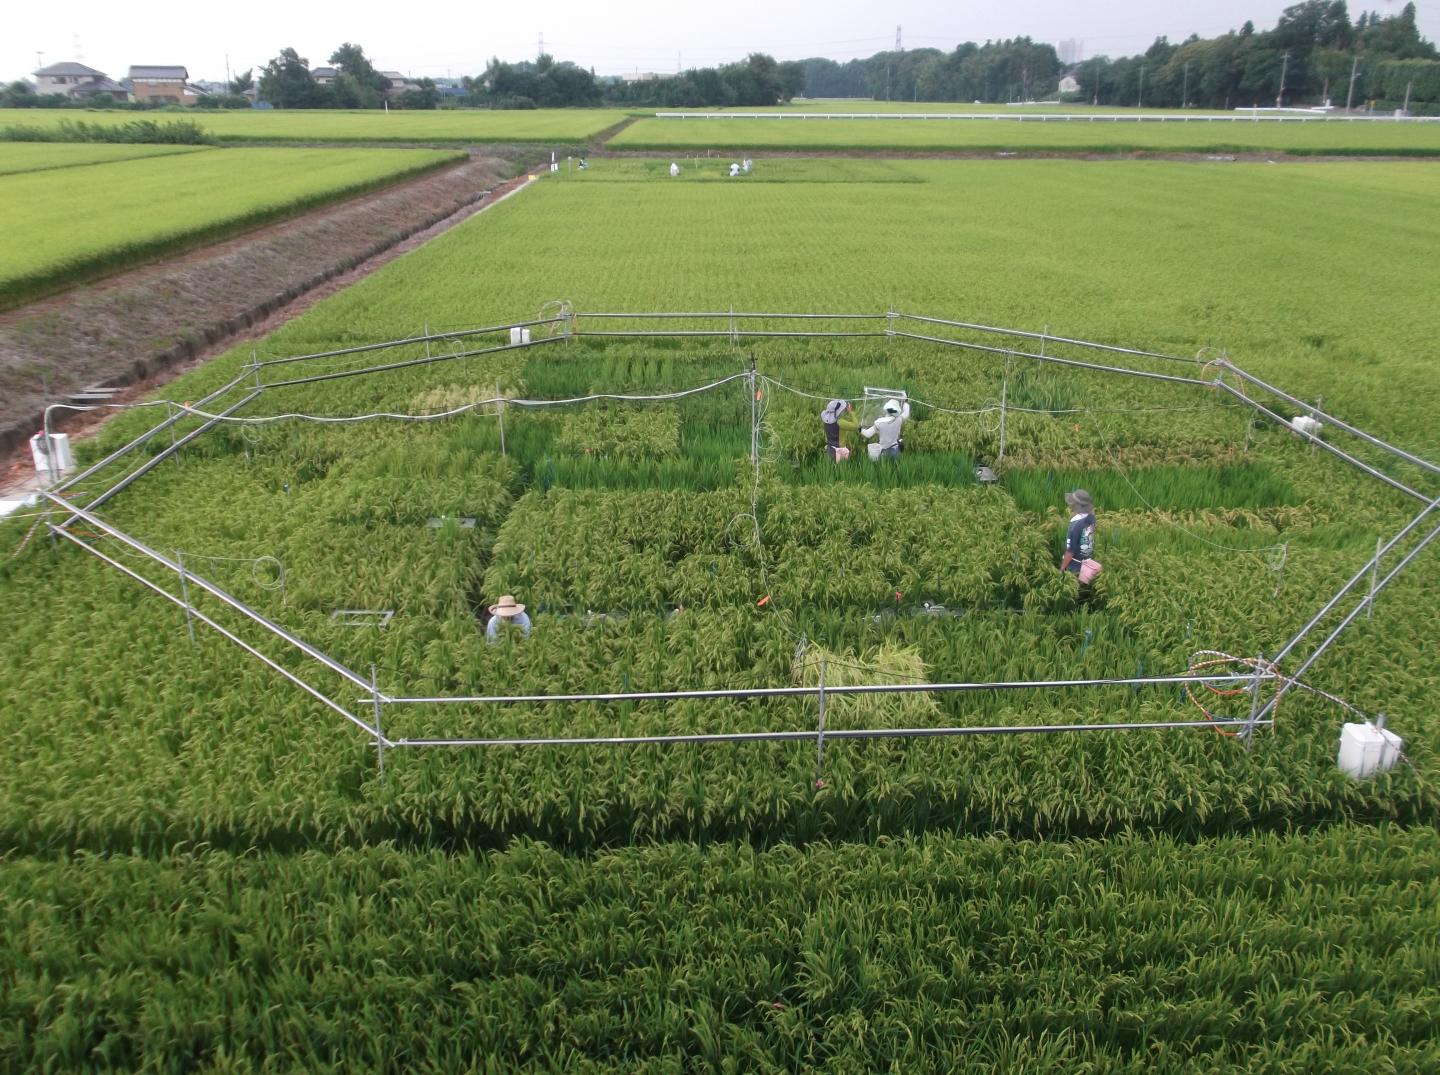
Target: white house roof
<point x="159" y="72"/>
<point x="69" y="69"/>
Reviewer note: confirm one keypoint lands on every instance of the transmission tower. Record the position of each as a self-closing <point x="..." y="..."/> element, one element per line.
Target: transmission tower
<point x="542" y="45"/>
<point x="898" y="47"/>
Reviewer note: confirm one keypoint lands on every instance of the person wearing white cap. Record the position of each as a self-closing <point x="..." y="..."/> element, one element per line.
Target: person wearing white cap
<point x="507" y="612"/>
<point x="887" y="427"/>
<point x="1080" y="536"/>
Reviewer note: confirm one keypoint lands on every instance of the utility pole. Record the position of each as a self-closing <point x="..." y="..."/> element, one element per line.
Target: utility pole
<point x="39" y="60"/>
<point x="1185" y="92"/>
<point x="1284" y="67"/>
<point x="1096" y="101"/>
<point x="1354" y="70"/>
<point x="1140" y="101"/>
<point x="1406" y="109"/>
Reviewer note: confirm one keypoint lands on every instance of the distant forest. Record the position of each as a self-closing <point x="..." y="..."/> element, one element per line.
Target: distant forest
<point x="1309" y="57"/>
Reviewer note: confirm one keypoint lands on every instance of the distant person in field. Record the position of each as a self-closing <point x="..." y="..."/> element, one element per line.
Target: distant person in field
<point x="887" y="427"/>
<point x="746" y="166"/>
<point x="734" y="169"/>
<point x="674" y="169"/>
<point x="507" y="613"/>
<point x="1080" y="538"/>
<point x="834" y="419"/>
<point x="584" y="164"/>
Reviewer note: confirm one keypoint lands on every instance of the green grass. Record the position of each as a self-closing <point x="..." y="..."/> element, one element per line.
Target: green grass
<point x="327" y="125"/>
<point x="136" y="210"/>
<point x="1073" y="136"/>
<point x="18" y="157"/>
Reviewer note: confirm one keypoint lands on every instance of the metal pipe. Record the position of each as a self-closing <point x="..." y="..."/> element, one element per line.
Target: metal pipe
<point x="726" y="314"/>
<point x="830" y="691"/>
<point x="1288" y="681"/>
<point x="209" y="587"/>
<point x="1366" y="467"/>
<point x="160" y="457"/>
<point x="457" y="334"/>
<point x="1354" y="580"/>
<point x="412" y="362"/>
<point x="829" y="733"/>
<point x="233" y="638"/>
<point x="730" y="335"/>
<point x="141" y="439"/>
<point x="1049" y="336"/>
<point x="1057" y="361"/>
<point x="1354" y="431"/>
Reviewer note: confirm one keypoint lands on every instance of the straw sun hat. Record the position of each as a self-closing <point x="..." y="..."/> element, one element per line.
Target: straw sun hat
<point x="506" y="606"/>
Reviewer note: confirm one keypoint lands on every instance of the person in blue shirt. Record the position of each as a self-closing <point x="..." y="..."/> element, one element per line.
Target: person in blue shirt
<point x="1080" y="534"/>
<point x="507" y="612"/>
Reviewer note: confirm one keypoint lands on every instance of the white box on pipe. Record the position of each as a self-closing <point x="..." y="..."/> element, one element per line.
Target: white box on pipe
<point x="54" y="459"/>
<point x="519" y="336"/>
<point x="1366" y="750"/>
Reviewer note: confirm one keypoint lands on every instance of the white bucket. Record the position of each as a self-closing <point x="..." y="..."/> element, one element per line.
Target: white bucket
<point x="1366" y="750"/>
<point x="874" y="450"/>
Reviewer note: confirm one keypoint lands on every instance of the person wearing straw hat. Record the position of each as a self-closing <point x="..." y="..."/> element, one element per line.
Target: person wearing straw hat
<point x="507" y="612"/>
<point x="1080" y="537"/>
<point x="831" y="418"/>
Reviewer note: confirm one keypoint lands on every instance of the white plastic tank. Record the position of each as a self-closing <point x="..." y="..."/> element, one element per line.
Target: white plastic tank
<point x="1366" y="750"/>
<point x="519" y="336"/>
<point x="54" y="459"/>
<point x="1303" y="423"/>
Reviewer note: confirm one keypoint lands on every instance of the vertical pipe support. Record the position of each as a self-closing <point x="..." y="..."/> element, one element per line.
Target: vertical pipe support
<point x="500" y="415"/>
<point x="185" y="593"/>
<point x="1247" y="734"/>
<point x="379" y="731"/>
<point x="1374" y="577"/>
<point x="820" y="731"/>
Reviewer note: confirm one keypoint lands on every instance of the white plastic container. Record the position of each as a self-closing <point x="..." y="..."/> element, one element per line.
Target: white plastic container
<point x="56" y="459"/>
<point x="1303" y="423"/>
<point x="519" y="336"/>
<point x="874" y="449"/>
<point x="1366" y="750"/>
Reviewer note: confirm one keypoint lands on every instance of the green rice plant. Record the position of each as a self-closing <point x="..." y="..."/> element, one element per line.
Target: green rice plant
<point x="125" y="224"/>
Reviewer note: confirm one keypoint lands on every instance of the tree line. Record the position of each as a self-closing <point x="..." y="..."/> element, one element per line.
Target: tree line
<point x="1315" y="53"/>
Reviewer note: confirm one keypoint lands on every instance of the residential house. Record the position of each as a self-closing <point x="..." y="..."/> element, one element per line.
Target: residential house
<point x="162" y="85"/>
<point x="78" y="82"/>
<point x="324" y="76"/>
<point x="398" y="83"/>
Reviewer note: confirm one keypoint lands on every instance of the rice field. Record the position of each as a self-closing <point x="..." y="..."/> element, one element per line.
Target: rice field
<point x="1098" y="132"/>
<point x="557" y="125"/>
<point x="1117" y="902"/>
<point x="16" y="157"/>
<point x="138" y="209"/>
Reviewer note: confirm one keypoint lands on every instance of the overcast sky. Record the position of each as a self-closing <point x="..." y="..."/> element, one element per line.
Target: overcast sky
<point x="456" y="37"/>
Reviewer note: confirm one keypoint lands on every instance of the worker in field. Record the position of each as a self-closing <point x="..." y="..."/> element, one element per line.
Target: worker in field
<point x="674" y="169"/>
<point x="507" y="613"/>
<point x="835" y="422"/>
<point x="887" y="428"/>
<point x="1079" y="556"/>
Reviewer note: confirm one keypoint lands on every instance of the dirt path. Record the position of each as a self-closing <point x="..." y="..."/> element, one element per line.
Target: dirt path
<point x="143" y="327"/>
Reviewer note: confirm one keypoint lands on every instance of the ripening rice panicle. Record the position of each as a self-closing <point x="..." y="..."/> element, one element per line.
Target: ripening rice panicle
<point x="885" y="663"/>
